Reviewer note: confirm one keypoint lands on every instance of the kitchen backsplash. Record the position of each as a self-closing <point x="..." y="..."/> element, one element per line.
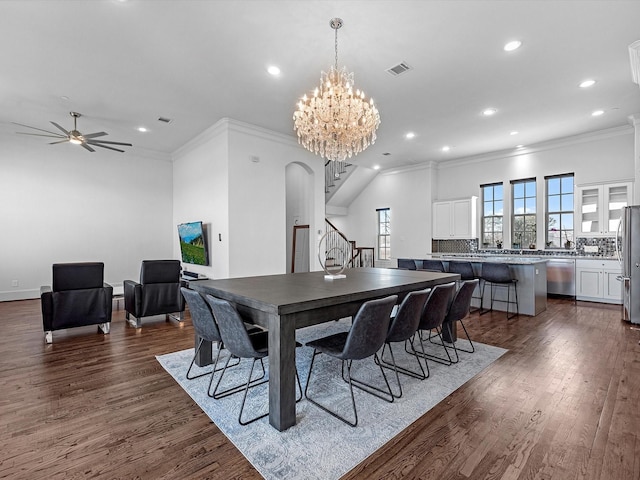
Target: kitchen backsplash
<point x="606" y="248"/>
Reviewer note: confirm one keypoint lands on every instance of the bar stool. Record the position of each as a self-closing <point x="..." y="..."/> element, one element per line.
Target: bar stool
<point x="433" y="265"/>
<point x="499" y="275"/>
<point x="465" y="270"/>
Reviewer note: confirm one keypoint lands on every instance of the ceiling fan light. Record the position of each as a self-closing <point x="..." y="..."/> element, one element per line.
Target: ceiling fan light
<point x="75" y="141"/>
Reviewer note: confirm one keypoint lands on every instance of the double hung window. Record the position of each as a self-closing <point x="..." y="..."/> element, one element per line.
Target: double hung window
<point x="384" y="233"/>
<point x="492" y="212"/>
<point x="524" y="219"/>
<point x="560" y="229"/>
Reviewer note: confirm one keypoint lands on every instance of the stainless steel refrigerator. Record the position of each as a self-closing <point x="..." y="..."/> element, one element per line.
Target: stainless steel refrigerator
<point x="628" y="249"/>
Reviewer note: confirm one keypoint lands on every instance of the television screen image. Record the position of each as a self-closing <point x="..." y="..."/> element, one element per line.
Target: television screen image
<point x="193" y="243"/>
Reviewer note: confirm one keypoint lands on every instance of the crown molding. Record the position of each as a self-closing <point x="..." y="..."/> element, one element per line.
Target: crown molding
<point x="540" y="147"/>
<point x="634" y="58"/>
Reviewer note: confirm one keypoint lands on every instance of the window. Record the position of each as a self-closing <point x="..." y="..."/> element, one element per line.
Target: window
<point x="492" y="210"/>
<point x="384" y="233"/>
<point x="523" y="225"/>
<point x="560" y="232"/>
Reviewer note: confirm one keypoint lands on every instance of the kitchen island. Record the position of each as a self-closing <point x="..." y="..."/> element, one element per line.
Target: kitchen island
<point x="531" y="273"/>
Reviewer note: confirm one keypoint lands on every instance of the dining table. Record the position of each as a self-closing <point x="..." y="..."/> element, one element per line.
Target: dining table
<point x="285" y="302"/>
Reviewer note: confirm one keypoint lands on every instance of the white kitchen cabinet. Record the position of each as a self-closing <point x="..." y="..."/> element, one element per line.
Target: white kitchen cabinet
<point x="599" y="208"/>
<point x="597" y="281"/>
<point x="455" y="219"/>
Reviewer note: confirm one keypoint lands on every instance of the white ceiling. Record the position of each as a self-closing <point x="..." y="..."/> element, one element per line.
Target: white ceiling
<point x="124" y="64"/>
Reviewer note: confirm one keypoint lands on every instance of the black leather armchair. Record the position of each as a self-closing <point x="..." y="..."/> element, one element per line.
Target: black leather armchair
<point x="157" y="293"/>
<point x="79" y="297"/>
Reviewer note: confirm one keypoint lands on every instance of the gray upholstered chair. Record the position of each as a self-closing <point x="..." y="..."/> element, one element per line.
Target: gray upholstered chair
<point x="403" y="327"/>
<point x="157" y="293"/>
<point x="206" y="330"/>
<point x="498" y="275"/>
<point x="79" y="297"/>
<point x="458" y="311"/>
<point x="433" y="314"/>
<point x="240" y="344"/>
<point x="367" y="335"/>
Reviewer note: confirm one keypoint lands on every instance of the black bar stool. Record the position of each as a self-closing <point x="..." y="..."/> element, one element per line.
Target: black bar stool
<point x="465" y="270"/>
<point x="499" y="275"/>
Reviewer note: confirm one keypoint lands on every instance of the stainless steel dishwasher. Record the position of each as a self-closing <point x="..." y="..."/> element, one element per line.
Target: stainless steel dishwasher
<point x="561" y="276"/>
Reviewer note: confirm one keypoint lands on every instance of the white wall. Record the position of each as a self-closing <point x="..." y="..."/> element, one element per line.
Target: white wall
<point x="408" y="194"/>
<point x="60" y="203"/>
<point x="601" y="157"/>
<point x="254" y="214"/>
<point x="201" y="192"/>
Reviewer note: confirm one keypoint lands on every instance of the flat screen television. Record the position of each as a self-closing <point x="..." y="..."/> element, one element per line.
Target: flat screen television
<point x="193" y="243"/>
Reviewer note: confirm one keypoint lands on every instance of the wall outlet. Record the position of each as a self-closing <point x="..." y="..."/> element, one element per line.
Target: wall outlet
<point x="590" y="249"/>
<point x="15" y="283"/>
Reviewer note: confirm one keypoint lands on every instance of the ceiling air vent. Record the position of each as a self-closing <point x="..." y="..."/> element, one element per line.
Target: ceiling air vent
<point x="398" y="69"/>
<point x="164" y="119"/>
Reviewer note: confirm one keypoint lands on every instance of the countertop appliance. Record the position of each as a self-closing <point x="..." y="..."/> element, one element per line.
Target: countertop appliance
<point x="561" y="276"/>
<point x="628" y="251"/>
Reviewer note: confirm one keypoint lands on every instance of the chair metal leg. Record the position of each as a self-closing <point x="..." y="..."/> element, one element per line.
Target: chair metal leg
<point x="372" y="389"/>
<point x="215" y="364"/>
<point x="444" y="361"/>
<point x="326" y="409"/>
<point x="133" y="321"/>
<point x="48" y="336"/>
<point x="399" y="369"/>
<point x="238" y="388"/>
<point x="473" y="348"/>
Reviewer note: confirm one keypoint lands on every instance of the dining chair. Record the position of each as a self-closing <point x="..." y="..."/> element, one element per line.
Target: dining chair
<point x="458" y="311"/>
<point x="241" y="345"/>
<point x="404" y="326"/>
<point x="431" y="265"/>
<point x="433" y="314"/>
<point x="367" y="335"/>
<point x="206" y="330"/>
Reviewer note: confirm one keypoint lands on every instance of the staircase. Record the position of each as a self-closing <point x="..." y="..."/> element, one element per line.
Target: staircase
<point x="334" y="171"/>
<point x="356" y="256"/>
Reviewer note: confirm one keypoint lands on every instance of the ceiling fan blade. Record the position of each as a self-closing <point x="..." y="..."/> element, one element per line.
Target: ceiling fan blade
<point x="60" y="128"/>
<point x="104" y="146"/>
<point x="66" y="140"/>
<point x="94" y="135"/>
<point x="84" y="145"/>
<point x="40" y="129"/>
<point x="96" y="142"/>
<point x="42" y="135"/>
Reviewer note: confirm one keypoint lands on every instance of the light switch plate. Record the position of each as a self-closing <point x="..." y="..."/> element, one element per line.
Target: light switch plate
<point x="590" y="249"/>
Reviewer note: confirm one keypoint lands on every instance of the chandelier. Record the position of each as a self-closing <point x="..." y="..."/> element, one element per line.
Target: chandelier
<point x="336" y="121"/>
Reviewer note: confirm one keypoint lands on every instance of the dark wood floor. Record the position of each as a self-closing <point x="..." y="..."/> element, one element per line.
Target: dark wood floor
<point x="563" y="403"/>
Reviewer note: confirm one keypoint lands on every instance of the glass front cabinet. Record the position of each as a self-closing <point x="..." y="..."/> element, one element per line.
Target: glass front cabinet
<point x="600" y="208"/>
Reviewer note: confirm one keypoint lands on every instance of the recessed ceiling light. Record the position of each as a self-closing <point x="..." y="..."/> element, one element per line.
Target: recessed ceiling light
<point x="446" y="148"/>
<point x="410" y="135"/>
<point x="142" y="129"/>
<point x="376" y="167"/>
<point x="597" y="113"/>
<point x="273" y="70"/>
<point x="487" y="112"/>
<point x="513" y="45"/>
<point x="587" y="83"/>
<point x="513" y="133"/>
<point x="65" y="98"/>
<point x="519" y="146"/>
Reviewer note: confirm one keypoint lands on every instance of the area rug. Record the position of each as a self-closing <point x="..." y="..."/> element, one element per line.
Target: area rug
<point x="319" y="446"/>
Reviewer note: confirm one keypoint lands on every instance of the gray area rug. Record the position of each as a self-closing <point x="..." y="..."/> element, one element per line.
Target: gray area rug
<point x="320" y="446"/>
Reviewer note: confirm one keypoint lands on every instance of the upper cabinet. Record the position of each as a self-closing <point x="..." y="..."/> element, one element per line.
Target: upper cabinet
<point x="455" y="219"/>
<point x="599" y="208"/>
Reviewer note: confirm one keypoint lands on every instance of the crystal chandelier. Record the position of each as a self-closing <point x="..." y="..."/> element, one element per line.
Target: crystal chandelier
<point x="336" y="122"/>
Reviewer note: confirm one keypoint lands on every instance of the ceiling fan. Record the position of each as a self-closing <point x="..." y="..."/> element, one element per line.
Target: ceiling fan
<point x="74" y="136"/>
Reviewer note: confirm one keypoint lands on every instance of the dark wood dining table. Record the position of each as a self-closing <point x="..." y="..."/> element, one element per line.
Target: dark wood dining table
<point x="283" y="303"/>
